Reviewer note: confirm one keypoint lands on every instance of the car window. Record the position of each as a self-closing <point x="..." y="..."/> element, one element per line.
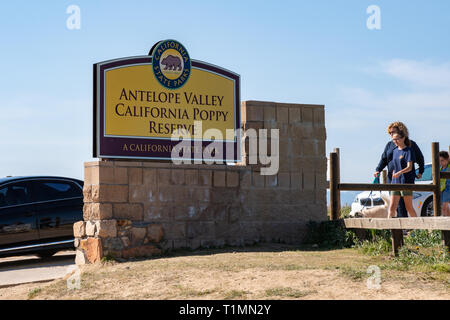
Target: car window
<point x="14" y="194"/>
<point x="3" y="197"/>
<point x="55" y="190"/>
<point x="427" y="174"/>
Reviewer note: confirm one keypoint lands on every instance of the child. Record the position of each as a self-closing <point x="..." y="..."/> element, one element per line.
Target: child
<point x="403" y="172"/>
<point x="445" y="183"/>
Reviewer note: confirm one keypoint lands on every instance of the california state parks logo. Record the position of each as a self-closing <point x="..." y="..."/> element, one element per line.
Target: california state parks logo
<point x="171" y="63"/>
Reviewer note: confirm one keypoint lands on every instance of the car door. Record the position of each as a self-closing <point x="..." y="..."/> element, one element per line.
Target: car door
<point x="59" y="204"/>
<point x="18" y="220"/>
<point x="423" y="200"/>
<point x="427" y="176"/>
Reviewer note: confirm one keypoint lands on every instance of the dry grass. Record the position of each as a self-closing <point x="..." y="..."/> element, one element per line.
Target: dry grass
<point x="262" y="272"/>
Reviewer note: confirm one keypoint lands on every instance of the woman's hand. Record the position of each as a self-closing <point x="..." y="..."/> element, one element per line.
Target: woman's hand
<point x="396" y="174"/>
<point x="376" y="174"/>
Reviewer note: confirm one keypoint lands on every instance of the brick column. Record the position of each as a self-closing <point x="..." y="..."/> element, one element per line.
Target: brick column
<point x="112" y="223"/>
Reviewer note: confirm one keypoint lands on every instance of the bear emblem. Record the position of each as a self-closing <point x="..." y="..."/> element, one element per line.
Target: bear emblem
<point x="171" y="63"/>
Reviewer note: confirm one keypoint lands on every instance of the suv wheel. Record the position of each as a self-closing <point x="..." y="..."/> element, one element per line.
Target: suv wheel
<point x="427" y="208"/>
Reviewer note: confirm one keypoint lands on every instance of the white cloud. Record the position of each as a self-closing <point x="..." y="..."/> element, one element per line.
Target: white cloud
<point x="421" y="73"/>
<point x="430" y="96"/>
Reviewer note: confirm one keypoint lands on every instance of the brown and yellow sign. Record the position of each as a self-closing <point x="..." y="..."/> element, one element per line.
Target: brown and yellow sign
<point x="142" y="101"/>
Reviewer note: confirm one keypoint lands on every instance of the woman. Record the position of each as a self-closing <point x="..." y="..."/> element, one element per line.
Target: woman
<point x="402" y="172"/>
<point x="386" y="159"/>
<point x="445" y="183"/>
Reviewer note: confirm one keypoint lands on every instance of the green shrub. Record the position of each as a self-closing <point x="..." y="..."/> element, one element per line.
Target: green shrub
<point x="109" y="257"/>
<point x="423" y="238"/>
<point x="436" y="259"/>
<point x="330" y="234"/>
<point x="376" y="242"/>
<point x="378" y="235"/>
<point x="375" y="247"/>
<point x="421" y="249"/>
<point x="345" y="211"/>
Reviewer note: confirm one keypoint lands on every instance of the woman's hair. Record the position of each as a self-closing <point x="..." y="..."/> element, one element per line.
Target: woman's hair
<point x="400" y="126"/>
<point x="444" y="154"/>
<point x="403" y="135"/>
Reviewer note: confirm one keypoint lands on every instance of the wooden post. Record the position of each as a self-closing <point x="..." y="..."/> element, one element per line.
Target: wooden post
<point x="338" y="165"/>
<point x="446" y="239"/>
<point x="397" y="240"/>
<point x="334" y="183"/>
<point x="436" y="179"/>
<point x="384" y="177"/>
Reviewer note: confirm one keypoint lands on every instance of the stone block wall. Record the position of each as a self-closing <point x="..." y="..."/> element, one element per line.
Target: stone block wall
<point x="142" y="208"/>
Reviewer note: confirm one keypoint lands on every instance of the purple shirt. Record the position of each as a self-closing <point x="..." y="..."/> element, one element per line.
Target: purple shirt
<point x="400" y="159"/>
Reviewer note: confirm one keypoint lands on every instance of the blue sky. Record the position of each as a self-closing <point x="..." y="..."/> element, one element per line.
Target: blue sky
<point x="318" y="52"/>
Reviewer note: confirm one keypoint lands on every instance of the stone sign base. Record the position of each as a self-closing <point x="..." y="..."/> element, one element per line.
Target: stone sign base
<point x="143" y="208"/>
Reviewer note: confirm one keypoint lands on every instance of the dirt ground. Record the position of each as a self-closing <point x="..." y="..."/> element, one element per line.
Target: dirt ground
<point x="261" y="272"/>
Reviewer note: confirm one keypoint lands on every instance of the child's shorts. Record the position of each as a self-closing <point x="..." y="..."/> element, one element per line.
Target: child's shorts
<point x="445" y="195"/>
<point x="401" y="193"/>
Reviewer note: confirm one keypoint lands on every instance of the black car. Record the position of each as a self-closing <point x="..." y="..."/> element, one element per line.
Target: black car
<point x="37" y="214"/>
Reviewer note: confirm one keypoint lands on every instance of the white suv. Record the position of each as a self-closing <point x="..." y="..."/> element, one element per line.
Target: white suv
<point x="422" y="201"/>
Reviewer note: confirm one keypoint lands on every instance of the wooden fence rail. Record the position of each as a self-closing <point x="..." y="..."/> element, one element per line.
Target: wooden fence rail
<point x="398" y="225"/>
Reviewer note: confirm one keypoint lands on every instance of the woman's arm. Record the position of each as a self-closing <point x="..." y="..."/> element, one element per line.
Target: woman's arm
<point x="408" y="168"/>
<point x="419" y="157"/>
<point x="384" y="159"/>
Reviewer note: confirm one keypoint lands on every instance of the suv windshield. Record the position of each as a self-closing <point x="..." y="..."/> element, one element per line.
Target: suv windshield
<point x="427" y="174"/>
